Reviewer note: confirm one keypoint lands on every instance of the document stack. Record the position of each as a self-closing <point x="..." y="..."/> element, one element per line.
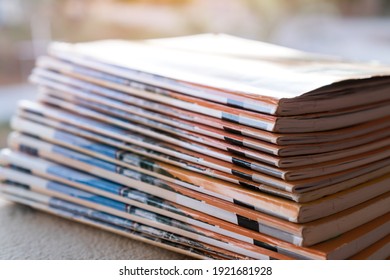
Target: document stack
<point x="210" y="145"/>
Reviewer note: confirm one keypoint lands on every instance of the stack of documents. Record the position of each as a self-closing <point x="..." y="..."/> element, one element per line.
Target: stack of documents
<point x="210" y="145"/>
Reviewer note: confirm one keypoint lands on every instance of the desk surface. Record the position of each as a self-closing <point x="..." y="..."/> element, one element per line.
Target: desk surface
<point x="29" y="234"/>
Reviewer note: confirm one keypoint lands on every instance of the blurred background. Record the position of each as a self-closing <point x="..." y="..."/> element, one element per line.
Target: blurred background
<point x="354" y="29"/>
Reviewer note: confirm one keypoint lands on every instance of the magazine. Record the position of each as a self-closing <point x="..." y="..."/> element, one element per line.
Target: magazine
<point x="259" y="85"/>
<point x="138" y="215"/>
<point x="304" y="234"/>
<point x="122" y="105"/>
<point x="219" y="189"/>
<point x="21" y="124"/>
<point x="62" y="82"/>
<point x="114" y="224"/>
<point x="341" y="247"/>
<point x="327" y="160"/>
<point x="334" y="119"/>
<point x="378" y="251"/>
<point x="200" y="155"/>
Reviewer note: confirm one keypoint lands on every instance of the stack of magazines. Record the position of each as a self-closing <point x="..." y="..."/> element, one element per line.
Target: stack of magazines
<point x="213" y="146"/>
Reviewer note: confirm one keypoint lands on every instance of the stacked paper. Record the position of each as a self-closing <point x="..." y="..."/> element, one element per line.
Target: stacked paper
<point x="209" y="145"/>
